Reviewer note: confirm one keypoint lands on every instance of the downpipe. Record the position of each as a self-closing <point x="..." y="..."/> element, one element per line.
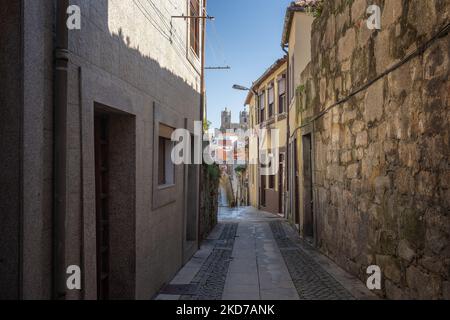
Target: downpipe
<point x="287" y="209"/>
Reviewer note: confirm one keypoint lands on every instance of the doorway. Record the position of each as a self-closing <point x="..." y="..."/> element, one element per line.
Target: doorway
<point x="102" y="207"/>
<point x="262" y="191"/>
<point x="115" y="199"/>
<point x="296" y="185"/>
<point x="308" y="204"/>
<point x="281" y="185"/>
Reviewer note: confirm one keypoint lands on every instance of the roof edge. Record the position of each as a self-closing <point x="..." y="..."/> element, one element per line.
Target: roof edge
<point x="264" y="76"/>
<point x="290" y="11"/>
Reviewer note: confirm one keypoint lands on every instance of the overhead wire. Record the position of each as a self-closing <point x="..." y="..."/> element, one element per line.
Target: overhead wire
<point x="149" y="18"/>
<point x="219" y="41"/>
<point x="178" y="44"/>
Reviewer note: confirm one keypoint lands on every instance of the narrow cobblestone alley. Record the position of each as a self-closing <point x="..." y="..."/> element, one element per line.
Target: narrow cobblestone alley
<point x="254" y="255"/>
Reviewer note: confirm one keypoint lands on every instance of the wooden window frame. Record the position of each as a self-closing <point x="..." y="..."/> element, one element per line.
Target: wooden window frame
<point x="194" y="26"/>
<point x="271" y="106"/>
<point x="282" y="96"/>
<point x="163" y="141"/>
<point x="262" y="106"/>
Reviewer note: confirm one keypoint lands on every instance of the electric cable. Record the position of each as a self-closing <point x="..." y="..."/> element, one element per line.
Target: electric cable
<point x="417" y="52"/>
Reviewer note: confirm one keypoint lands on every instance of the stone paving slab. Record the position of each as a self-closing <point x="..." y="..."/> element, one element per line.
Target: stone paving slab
<point x="255" y="247"/>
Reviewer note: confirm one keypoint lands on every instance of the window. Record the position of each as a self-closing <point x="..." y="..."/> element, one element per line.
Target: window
<point x="262" y="106"/>
<point x="195" y="26"/>
<point x="282" y="94"/>
<point x="271" y="100"/>
<point x="166" y="168"/>
<point x="271" y="182"/>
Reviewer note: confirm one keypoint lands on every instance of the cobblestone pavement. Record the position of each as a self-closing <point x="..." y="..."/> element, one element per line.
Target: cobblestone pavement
<point x="254" y="255"/>
<point x="310" y="279"/>
<point x="210" y="280"/>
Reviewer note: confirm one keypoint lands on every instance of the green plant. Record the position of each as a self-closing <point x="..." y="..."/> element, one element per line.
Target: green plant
<point x="312" y="7"/>
<point x="206" y="125"/>
<point x="240" y="169"/>
<point x="301" y="89"/>
<point x="213" y="172"/>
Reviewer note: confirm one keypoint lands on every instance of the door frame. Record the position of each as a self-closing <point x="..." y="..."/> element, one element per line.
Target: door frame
<point x="281" y="182"/>
<point x="121" y="240"/>
<point x="309" y="131"/>
<point x="296" y="186"/>
<point x="307" y="186"/>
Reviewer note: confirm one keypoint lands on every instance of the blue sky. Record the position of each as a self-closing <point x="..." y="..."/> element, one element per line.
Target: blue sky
<point x="246" y="35"/>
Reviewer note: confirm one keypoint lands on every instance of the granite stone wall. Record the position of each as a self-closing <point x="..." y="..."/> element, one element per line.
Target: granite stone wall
<point x="122" y="64"/>
<point x="381" y="159"/>
<point x="26" y="142"/>
<point x="11" y="110"/>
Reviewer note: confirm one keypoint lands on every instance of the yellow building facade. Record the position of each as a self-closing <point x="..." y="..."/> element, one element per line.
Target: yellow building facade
<point x="267" y="103"/>
<point x="296" y="39"/>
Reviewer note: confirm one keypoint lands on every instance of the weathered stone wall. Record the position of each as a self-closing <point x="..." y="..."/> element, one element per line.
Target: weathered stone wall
<point x="209" y="204"/>
<point x="381" y="160"/>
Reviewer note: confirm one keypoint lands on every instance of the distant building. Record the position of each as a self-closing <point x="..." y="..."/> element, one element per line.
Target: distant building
<point x="226" y="123"/>
<point x="226" y="120"/>
<point x="243" y="119"/>
<point x="268" y="111"/>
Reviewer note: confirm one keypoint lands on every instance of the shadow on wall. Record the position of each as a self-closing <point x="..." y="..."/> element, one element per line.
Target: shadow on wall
<point x="119" y="75"/>
<point x="129" y="57"/>
<point x="143" y="257"/>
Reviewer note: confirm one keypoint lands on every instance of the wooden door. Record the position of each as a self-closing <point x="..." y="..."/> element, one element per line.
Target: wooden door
<point x="102" y="210"/>
<point x="308" y="187"/>
<point x="263" y="191"/>
<point x="296" y="185"/>
<point x="281" y="185"/>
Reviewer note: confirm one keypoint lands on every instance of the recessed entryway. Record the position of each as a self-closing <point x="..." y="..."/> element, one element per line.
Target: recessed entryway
<point x="308" y="205"/>
<point x="115" y="176"/>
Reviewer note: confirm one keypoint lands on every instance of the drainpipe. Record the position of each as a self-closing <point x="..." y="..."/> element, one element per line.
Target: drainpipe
<point x="288" y="128"/>
<point x="60" y="135"/>
<point x="258" y="173"/>
<point x="202" y="116"/>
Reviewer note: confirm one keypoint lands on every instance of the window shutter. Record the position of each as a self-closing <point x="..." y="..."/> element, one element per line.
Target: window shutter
<point x="271" y="94"/>
<point x="261" y="101"/>
<point x="282" y="85"/>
